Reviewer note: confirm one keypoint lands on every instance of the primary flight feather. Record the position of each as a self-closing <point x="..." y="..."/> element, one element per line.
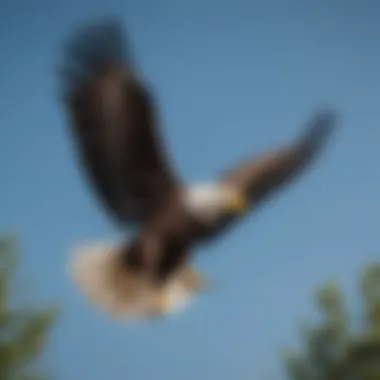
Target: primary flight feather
<point x="115" y="124"/>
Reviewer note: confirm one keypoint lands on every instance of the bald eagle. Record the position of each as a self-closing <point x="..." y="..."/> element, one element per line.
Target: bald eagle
<point x="114" y="124"/>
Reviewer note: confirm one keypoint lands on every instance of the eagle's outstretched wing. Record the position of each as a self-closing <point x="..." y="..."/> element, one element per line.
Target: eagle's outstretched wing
<point x="261" y="176"/>
<point x="114" y="123"/>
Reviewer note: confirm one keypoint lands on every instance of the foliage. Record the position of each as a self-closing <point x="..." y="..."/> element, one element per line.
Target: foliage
<point x="23" y="330"/>
<point x="333" y="349"/>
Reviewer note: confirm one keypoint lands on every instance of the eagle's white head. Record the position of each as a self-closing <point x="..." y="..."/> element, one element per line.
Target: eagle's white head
<point x="209" y="201"/>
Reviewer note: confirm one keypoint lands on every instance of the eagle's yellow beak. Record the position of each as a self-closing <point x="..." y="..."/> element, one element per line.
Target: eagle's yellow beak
<point x="237" y="203"/>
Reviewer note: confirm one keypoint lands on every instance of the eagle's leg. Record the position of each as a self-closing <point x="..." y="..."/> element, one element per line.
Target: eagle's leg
<point x="169" y="294"/>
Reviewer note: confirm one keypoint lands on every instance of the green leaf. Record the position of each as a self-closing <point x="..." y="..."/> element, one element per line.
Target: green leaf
<point x="333" y="351"/>
<point x="23" y="330"/>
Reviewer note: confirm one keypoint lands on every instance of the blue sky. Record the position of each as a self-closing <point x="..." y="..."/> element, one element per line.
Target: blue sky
<point x="231" y="77"/>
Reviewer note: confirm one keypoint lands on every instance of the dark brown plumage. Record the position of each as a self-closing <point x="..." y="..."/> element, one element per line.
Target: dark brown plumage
<point x="115" y="123"/>
<point x="260" y="177"/>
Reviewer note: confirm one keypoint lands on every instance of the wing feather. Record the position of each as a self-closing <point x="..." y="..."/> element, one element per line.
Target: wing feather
<point x="114" y="123"/>
<point x="260" y="177"/>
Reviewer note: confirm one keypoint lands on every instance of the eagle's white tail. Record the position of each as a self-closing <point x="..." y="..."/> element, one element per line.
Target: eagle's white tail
<point x="98" y="271"/>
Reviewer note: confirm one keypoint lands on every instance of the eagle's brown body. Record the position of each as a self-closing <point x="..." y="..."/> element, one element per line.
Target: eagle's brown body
<point x="114" y="122"/>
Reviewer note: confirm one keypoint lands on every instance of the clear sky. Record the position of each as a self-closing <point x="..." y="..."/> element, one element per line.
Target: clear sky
<point x="232" y="77"/>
